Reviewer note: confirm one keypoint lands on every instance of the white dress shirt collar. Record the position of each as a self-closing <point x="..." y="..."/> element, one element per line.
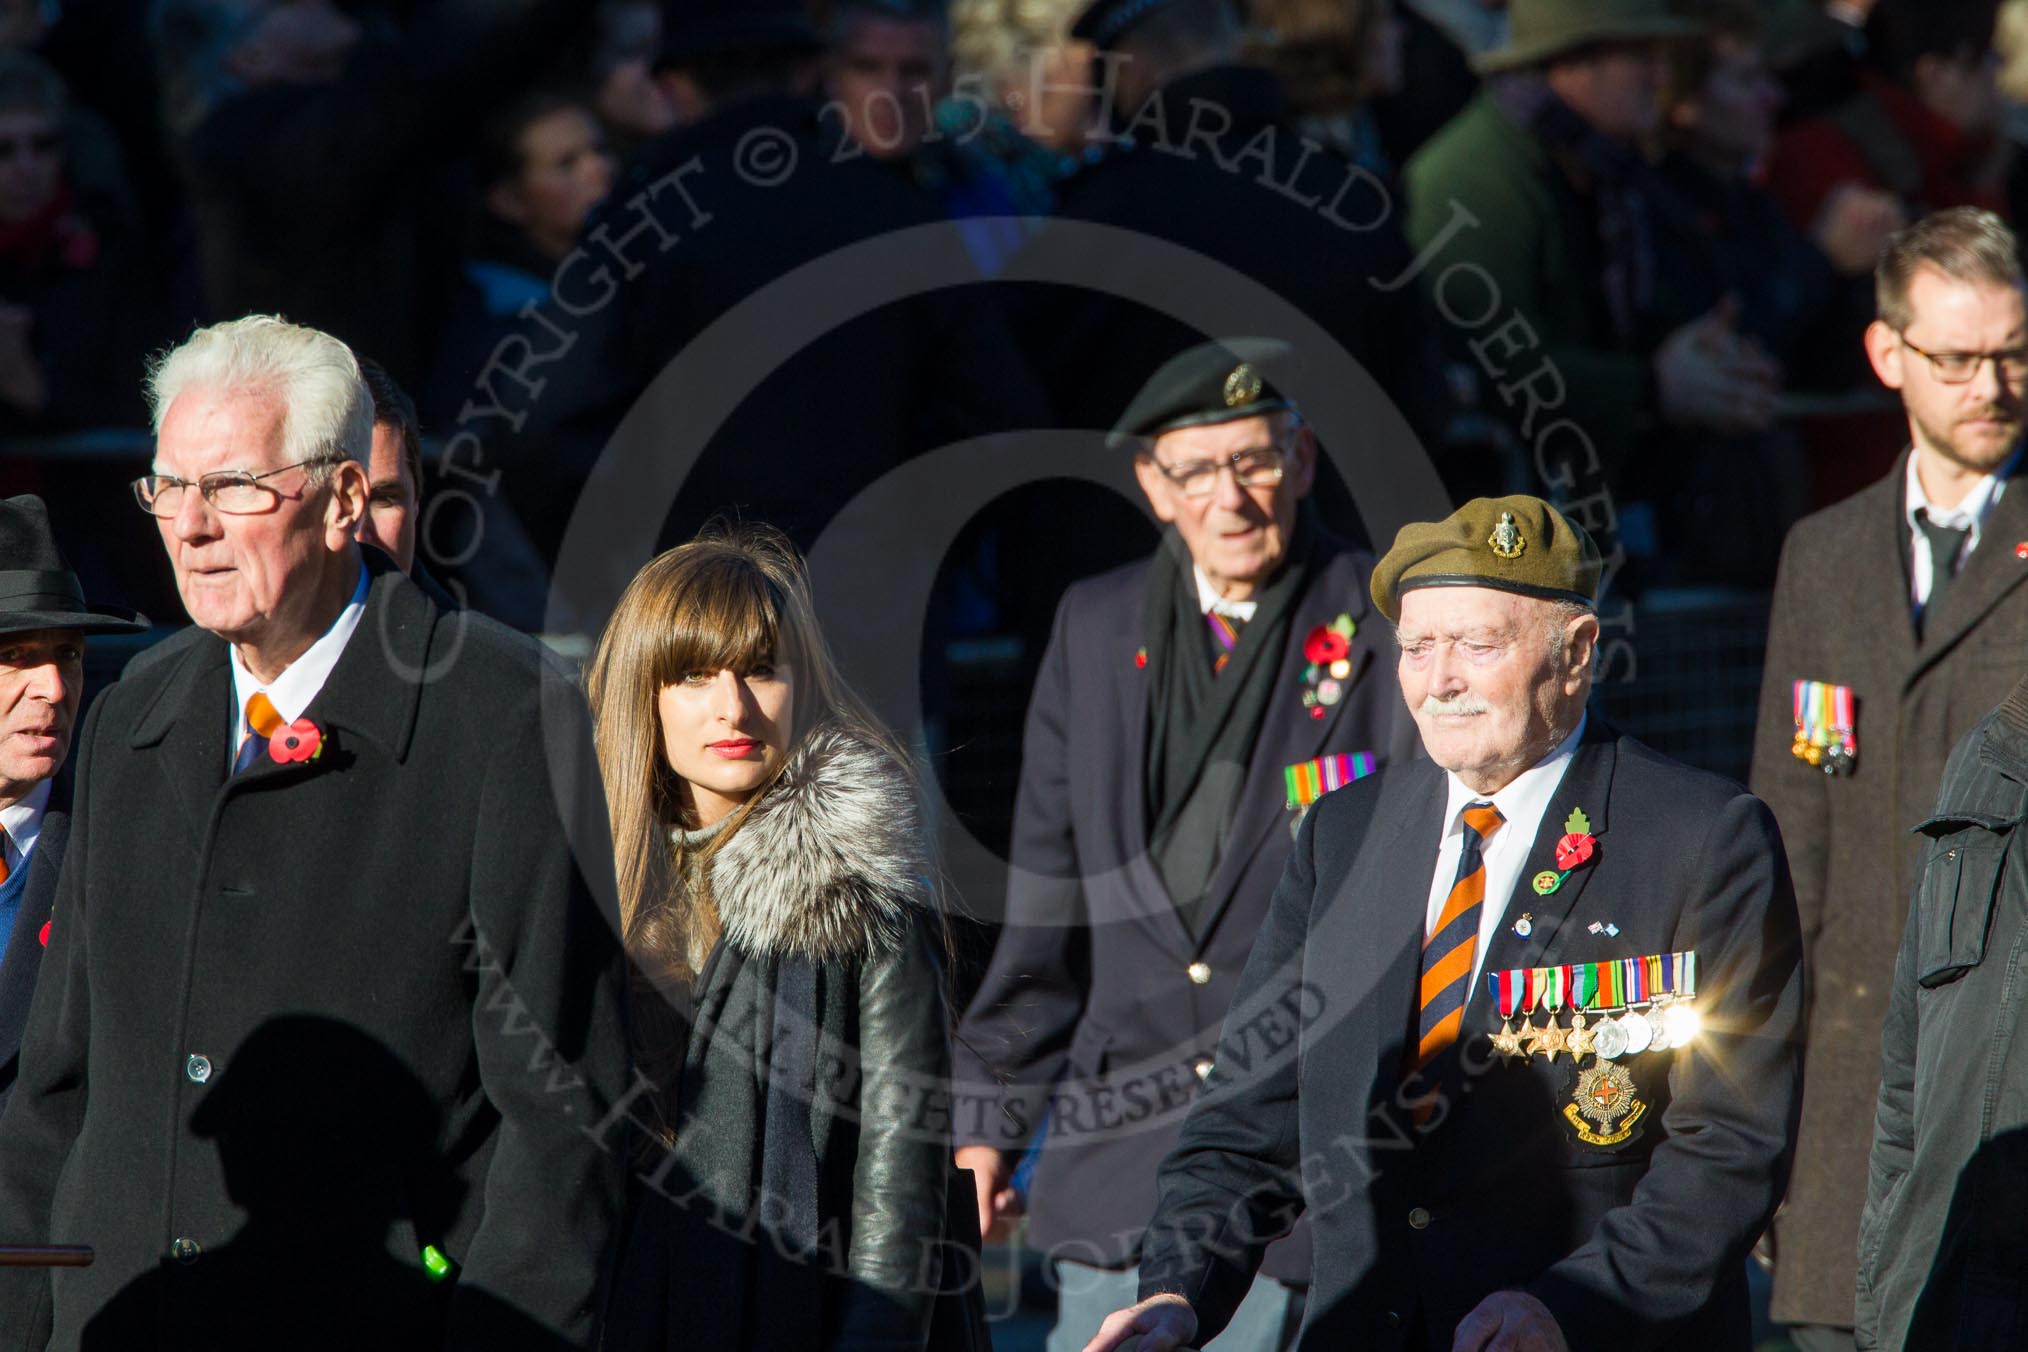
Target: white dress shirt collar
<point x="1970" y="515"/>
<point x="1208" y="600"/>
<point x="22" y="821"/>
<point x="1522" y="804"/>
<point x="292" y="691"/>
<point x="1525" y="799"/>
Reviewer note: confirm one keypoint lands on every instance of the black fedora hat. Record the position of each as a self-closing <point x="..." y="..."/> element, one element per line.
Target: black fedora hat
<point x="37" y="588"/>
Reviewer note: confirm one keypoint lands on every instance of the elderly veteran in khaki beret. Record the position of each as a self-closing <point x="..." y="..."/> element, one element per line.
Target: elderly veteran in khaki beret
<point x="1548" y="994"/>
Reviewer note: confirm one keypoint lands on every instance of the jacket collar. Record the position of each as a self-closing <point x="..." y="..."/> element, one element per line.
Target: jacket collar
<point x="1990" y="573"/>
<point x="373" y="691"/>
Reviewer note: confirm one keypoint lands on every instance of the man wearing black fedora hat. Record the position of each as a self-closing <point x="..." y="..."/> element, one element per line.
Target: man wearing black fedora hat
<point x="44" y="619"/>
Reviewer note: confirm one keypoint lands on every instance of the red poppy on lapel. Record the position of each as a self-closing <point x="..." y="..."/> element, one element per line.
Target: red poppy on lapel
<point x="45" y="931"/>
<point x="1326" y="644"/>
<point x="301" y="740"/>
<point x="1577" y="843"/>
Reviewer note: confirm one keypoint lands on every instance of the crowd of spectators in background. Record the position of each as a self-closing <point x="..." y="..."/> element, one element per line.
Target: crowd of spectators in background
<point x="1688" y="226"/>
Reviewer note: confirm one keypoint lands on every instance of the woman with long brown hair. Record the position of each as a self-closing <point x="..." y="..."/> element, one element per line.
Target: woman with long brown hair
<point x="789" y="1012"/>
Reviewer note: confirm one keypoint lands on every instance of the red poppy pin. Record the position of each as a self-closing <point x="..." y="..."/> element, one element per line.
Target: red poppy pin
<point x="301" y="740"/>
<point x="45" y="931"/>
<point x="1574" y="848"/>
<point x="1328" y="651"/>
<point x="1326" y="645"/>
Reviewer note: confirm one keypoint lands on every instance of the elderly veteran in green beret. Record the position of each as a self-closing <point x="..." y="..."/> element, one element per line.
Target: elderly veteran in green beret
<point x="1549" y="993"/>
<point x="1190" y="708"/>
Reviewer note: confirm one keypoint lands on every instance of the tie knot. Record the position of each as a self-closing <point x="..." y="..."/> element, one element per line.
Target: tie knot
<point x="261" y="715"/>
<point x="1482" y="819"/>
<point x="1944" y="541"/>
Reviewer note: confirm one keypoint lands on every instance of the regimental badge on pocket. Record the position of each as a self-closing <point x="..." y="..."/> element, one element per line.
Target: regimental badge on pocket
<point x="1606" y="1108"/>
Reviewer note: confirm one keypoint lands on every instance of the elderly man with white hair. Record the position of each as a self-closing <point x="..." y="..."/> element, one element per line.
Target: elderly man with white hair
<point x="1548" y="997"/>
<point x="330" y="992"/>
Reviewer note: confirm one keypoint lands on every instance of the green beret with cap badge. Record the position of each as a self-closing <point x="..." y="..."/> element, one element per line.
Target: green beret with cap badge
<point x="1217" y="382"/>
<point x="1518" y="544"/>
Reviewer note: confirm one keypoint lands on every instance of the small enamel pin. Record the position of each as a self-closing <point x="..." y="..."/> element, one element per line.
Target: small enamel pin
<point x="1525" y="926"/>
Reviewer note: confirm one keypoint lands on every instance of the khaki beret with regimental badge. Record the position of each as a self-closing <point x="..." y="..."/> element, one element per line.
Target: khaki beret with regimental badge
<point x="1517" y="544"/>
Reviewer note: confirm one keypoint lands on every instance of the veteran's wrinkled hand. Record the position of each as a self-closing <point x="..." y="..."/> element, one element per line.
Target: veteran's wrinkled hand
<point x="1164" y="1323"/>
<point x="1509" y="1321"/>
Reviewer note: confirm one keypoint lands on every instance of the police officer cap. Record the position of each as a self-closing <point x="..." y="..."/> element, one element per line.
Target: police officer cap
<point x="1211" y="383"/>
<point x="1517" y="544"/>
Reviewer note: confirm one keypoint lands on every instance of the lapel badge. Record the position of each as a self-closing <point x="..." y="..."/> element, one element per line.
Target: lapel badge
<point x="2021" y="550"/>
<point x="1243" y="386"/>
<point x="1573" y="848"/>
<point x="1525" y="926"/>
<point x="1607" y="928"/>
<point x="1506" y="539"/>
<point x="1327" y="657"/>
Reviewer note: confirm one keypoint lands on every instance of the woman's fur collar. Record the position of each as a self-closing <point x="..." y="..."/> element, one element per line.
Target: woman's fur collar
<point x="829" y="863"/>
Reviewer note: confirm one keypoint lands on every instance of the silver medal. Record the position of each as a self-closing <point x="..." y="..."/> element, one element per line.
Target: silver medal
<point x="1609" y="1041"/>
<point x="1640" y="1033"/>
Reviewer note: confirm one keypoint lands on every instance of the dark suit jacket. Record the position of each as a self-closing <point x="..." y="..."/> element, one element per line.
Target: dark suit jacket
<point x="1641" y="1246"/>
<point x="405" y="933"/>
<point x="24" y="945"/>
<point x="1089" y="1009"/>
<point x="1841" y="614"/>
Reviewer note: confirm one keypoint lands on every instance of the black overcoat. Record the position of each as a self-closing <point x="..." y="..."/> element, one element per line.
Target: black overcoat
<point x="297" y="1024"/>
<point x="1641" y="1245"/>
<point x="1100" y="1004"/>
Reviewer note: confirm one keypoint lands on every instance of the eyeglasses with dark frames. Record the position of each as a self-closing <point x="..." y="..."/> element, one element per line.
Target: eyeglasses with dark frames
<point x="236" y="492"/>
<point x="1958" y="368"/>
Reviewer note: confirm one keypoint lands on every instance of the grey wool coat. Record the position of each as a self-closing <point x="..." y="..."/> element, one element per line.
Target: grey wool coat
<point x="295" y="1024"/>
<point x="798" y="1195"/>
<point x="1842" y="615"/>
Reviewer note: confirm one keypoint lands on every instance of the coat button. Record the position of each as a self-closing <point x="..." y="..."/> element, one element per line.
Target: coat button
<point x="1392" y="1319"/>
<point x="185" y="1250"/>
<point x="198" y="1068"/>
<point x="1203" y="1069"/>
<point x="1199" y="973"/>
<point x="1418" y="1219"/>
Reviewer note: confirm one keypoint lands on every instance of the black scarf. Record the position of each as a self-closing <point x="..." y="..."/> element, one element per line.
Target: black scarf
<point x="1202" y="727"/>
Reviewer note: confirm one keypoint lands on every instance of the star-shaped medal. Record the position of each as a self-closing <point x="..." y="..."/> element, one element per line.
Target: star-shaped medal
<point x="1549" y="1040"/>
<point x="1507" y="1042"/>
<point x="1578" y="1042"/>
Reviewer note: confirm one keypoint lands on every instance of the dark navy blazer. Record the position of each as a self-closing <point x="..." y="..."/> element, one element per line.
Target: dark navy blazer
<point x="1100" y="1003"/>
<point x="1639" y="1245"/>
<point x="23" y="958"/>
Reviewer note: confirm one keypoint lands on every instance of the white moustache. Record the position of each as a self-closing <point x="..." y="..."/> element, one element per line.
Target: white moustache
<point x="1457" y="706"/>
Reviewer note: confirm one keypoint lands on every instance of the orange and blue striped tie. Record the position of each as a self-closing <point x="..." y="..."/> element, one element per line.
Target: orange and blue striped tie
<point x="1449" y="953"/>
<point x="261" y="723"/>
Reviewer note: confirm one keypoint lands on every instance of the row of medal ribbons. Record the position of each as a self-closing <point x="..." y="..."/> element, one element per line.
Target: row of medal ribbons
<point x="1826" y="727"/>
<point x="1653" y="997"/>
